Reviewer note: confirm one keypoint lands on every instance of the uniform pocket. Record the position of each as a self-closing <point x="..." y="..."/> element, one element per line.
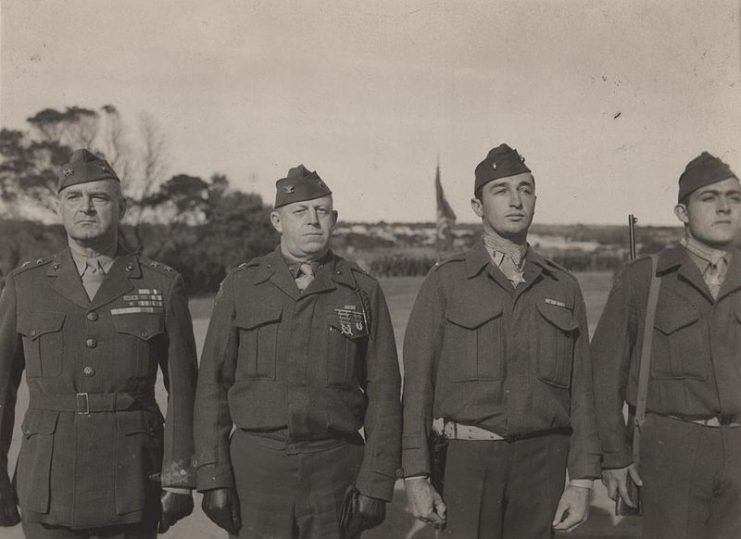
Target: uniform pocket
<point x="137" y="337"/>
<point x="138" y="459"/>
<point x="556" y="332"/>
<point x="678" y="343"/>
<point x="34" y="460"/>
<point x="258" y="342"/>
<point x="43" y="342"/>
<point x="473" y="344"/>
<point x="342" y="356"/>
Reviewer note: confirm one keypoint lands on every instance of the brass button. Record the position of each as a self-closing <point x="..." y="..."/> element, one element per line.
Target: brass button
<point x="91" y="343"/>
<point x="92" y="316"/>
<point x="129" y="267"/>
<point x="88" y="371"/>
<point x="33" y="333"/>
<point x="144" y="333"/>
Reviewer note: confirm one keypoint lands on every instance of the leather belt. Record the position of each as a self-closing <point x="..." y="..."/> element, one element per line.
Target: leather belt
<point x="723" y="420"/>
<point x="84" y="403"/>
<point x="456" y="431"/>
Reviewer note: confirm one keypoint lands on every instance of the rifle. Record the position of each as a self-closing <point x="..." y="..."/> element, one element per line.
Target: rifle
<point x="632" y="235"/>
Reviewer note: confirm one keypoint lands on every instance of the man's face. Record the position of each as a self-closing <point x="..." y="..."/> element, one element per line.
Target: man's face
<point x="507" y="206"/>
<point x="712" y="214"/>
<point x="305" y="227"/>
<point x="91" y="211"/>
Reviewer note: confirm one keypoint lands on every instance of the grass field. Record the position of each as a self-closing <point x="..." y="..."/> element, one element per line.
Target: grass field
<point x="400" y="293"/>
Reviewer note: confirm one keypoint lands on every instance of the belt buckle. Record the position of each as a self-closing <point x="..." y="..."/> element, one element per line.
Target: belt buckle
<point x="83" y="409"/>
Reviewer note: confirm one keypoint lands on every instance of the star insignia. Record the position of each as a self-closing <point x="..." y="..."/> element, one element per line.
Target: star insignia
<point x="517" y="279"/>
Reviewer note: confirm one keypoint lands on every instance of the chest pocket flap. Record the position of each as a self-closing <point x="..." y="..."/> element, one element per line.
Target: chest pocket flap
<point x="144" y="326"/>
<point x="257" y="317"/>
<point x="472" y="316"/>
<point x="33" y="325"/>
<point x="560" y="317"/>
<point x="674" y="317"/>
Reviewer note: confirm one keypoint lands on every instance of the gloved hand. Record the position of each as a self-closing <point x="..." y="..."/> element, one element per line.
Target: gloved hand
<point x="174" y="507"/>
<point x="221" y="505"/>
<point x="366" y="513"/>
<point x="8" y="503"/>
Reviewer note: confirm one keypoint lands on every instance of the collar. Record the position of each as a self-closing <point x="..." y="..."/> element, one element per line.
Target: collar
<point x="478" y="257"/>
<point x="499" y="249"/>
<point x="81" y="257"/>
<point x="704" y="252"/>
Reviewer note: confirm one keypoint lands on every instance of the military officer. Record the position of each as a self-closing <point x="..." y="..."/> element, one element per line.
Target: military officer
<point x="299" y="355"/>
<point x="496" y="355"/>
<point x="90" y="326"/>
<point x="690" y="444"/>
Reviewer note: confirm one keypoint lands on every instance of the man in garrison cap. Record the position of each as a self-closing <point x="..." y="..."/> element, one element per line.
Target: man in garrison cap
<point x="299" y="356"/>
<point x="690" y="443"/>
<point x="496" y="360"/>
<point x="91" y="326"/>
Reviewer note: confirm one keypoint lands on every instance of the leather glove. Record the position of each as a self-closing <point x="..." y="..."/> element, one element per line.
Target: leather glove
<point x="8" y="503"/>
<point x="221" y="505"/>
<point x="366" y="513"/>
<point x="174" y="507"/>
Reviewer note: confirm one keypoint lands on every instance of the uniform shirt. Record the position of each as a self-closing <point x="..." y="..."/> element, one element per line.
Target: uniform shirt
<point x="696" y="351"/>
<point x="306" y="367"/>
<point x="514" y="361"/>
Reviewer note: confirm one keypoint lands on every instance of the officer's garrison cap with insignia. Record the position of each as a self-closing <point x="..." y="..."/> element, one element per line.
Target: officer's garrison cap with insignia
<point x="500" y="162"/>
<point x="84" y="167"/>
<point x="703" y="170"/>
<point x="298" y="186"/>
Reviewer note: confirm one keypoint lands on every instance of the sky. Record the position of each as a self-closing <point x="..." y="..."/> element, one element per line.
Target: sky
<point x="607" y="101"/>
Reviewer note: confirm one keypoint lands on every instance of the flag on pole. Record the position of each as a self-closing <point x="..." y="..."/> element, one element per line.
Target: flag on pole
<point x="445" y="218"/>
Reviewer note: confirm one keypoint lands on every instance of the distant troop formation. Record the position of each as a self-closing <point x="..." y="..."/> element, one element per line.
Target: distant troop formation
<point x="295" y="425"/>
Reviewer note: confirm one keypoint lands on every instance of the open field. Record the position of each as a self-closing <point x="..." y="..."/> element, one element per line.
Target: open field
<point x="400" y="293"/>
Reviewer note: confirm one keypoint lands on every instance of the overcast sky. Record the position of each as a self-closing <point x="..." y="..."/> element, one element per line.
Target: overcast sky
<point x="607" y="101"/>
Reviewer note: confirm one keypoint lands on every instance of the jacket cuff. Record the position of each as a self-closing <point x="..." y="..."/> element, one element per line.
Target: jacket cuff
<point x="376" y="485"/>
<point x="585" y="466"/>
<point x="415" y="456"/>
<point x="211" y="476"/>
<point x="617" y="459"/>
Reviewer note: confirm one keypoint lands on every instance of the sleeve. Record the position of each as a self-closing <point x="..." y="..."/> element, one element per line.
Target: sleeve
<point x="612" y="348"/>
<point x="179" y="368"/>
<point x="584" y="449"/>
<point x="12" y="363"/>
<point x="382" y="425"/>
<point x="213" y="421"/>
<point x="421" y="351"/>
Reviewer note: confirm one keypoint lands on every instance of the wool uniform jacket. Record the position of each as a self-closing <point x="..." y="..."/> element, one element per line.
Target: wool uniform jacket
<point x="95" y="451"/>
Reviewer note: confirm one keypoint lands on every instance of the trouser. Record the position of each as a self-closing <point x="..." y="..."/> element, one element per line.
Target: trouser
<point x="504" y="489"/>
<point x="38" y="530"/>
<point x="292" y="490"/>
<point x="691" y="480"/>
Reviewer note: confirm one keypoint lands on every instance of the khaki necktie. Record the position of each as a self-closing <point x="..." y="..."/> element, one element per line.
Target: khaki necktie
<point x="92" y="277"/>
<point x="305" y="276"/>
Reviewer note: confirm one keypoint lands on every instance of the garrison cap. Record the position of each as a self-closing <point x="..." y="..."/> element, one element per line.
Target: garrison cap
<point x="500" y="162"/>
<point x="701" y="171"/>
<point x="84" y="167"/>
<point x="299" y="185"/>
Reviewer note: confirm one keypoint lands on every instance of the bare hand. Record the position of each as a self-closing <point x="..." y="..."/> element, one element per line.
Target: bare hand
<point x="424" y="502"/>
<point x="616" y="481"/>
<point x="573" y="508"/>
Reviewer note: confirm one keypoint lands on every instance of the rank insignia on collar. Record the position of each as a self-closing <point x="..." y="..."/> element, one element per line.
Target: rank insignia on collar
<point x="353" y="323"/>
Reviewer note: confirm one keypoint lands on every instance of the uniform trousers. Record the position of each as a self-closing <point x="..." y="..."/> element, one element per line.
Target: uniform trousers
<point x="504" y="489"/>
<point x="691" y="480"/>
<point x="37" y="530"/>
<point x="292" y="490"/>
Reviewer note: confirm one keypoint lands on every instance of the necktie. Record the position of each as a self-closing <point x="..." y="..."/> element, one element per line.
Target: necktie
<point x="92" y="277"/>
<point x="714" y="275"/>
<point x="305" y="276"/>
